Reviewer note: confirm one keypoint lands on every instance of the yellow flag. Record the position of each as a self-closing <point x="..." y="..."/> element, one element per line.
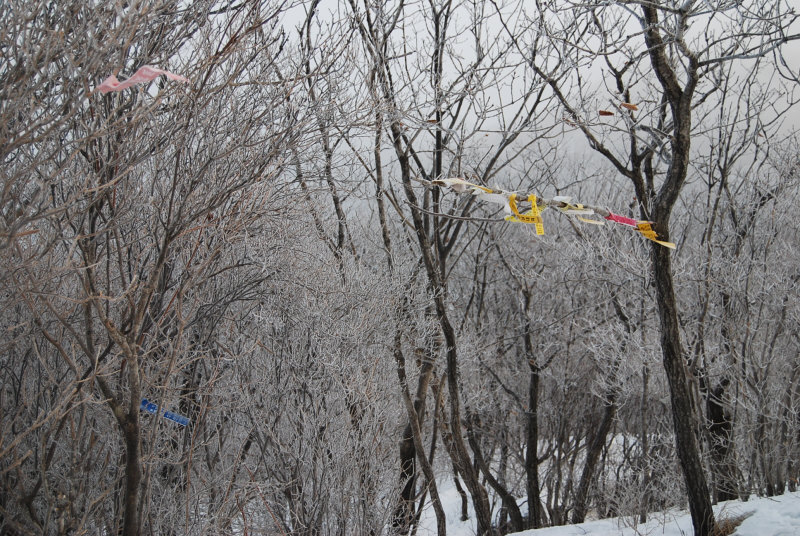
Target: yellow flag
<point x="646" y="229"/>
<point x="532" y="216"/>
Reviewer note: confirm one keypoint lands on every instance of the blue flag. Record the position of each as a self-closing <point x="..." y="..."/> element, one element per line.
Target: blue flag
<point x="151" y="407"/>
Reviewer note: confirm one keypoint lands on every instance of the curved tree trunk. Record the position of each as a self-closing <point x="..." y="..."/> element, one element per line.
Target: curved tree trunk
<point x="683" y="413"/>
<point x="592" y="455"/>
<point x="509" y="501"/>
<point x="684" y="418"/>
<point x="404" y="513"/>
<point x="457" y="446"/>
<point x="403" y="524"/>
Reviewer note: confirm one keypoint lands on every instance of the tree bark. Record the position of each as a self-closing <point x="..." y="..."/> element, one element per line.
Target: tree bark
<point x="720" y="431"/>
<point x="683" y="414"/>
<point x="592" y="455"/>
<point x="509" y="502"/>
<point x="404" y="512"/>
<point x="531" y="451"/>
<point x="415" y="419"/>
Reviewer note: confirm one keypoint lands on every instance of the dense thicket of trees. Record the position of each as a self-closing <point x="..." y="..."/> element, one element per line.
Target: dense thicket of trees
<point x="262" y="251"/>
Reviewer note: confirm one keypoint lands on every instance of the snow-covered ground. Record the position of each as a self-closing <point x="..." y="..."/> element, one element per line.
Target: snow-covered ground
<point x="775" y="516"/>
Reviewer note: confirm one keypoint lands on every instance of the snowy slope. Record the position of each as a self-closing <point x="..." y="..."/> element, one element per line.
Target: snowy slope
<point x="775" y="516"/>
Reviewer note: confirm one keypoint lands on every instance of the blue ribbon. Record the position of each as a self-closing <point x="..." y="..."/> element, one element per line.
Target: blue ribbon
<point x="152" y="407"/>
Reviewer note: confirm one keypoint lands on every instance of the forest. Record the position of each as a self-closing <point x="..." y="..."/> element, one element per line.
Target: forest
<point x="289" y="267"/>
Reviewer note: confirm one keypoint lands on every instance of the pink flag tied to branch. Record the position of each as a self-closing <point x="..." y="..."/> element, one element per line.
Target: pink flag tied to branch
<point x="142" y="75"/>
<point x="622" y="219"/>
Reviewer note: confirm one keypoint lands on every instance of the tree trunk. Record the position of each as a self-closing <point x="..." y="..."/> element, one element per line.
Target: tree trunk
<point x="645" y="456"/>
<point x="720" y="431"/>
<point x="403" y="524"/>
<point x="531" y="451"/>
<point x="509" y="502"/>
<point x="592" y="455"/>
<point x="404" y="513"/>
<point x="480" y="499"/>
<point x="457" y="447"/>
<point x="683" y="414"/>
<point x="133" y="475"/>
<point x="532" y="485"/>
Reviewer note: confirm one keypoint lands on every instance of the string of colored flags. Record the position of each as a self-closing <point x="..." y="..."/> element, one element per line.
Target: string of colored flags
<point x="152" y="407"/>
<point x="533" y="216"/>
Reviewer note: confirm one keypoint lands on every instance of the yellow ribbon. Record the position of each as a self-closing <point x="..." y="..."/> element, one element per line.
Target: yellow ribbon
<point x="532" y="216"/>
<point x="646" y="230"/>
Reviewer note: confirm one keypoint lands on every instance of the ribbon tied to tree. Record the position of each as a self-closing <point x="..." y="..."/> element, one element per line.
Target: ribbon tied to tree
<point x="144" y="74"/>
<point x="509" y="202"/>
<point x="152" y="407"/>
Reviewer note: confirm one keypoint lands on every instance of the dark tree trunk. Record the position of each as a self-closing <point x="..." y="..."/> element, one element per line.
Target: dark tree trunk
<point x="401" y="518"/>
<point x="458" y="450"/>
<point x="133" y="477"/>
<point x="532" y="485"/>
<point x="645" y="456"/>
<point x="403" y="524"/>
<point x="720" y="431"/>
<point x="461" y="494"/>
<point x="509" y="501"/>
<point x="455" y="441"/>
<point x="684" y="418"/>
<point x="404" y="513"/>
<point x="531" y="452"/>
<point x="683" y="414"/>
<point x="592" y="455"/>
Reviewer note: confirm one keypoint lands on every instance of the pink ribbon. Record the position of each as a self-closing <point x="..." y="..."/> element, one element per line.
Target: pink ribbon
<point x="622" y="219"/>
<point x="142" y="75"/>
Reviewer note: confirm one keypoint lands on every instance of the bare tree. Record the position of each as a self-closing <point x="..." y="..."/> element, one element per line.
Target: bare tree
<point x="670" y="72"/>
<point x="139" y="193"/>
<point x="264" y="252"/>
<point x="435" y="131"/>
